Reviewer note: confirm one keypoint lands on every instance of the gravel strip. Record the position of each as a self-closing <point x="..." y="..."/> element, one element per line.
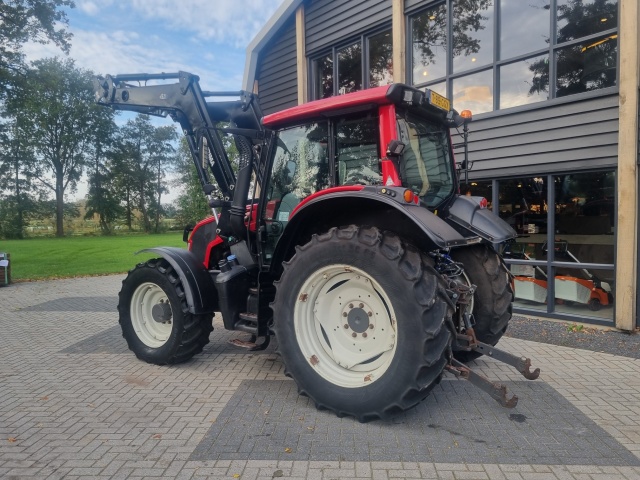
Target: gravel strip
<point x="569" y="334"/>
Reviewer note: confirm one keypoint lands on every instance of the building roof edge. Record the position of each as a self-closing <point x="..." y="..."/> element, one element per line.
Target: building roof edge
<point x="277" y="20"/>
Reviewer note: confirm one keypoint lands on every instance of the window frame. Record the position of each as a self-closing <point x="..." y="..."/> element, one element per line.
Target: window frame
<point x="363" y="40"/>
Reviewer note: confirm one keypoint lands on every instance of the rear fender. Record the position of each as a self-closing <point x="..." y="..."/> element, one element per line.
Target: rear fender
<point x="467" y="213"/>
<point x="372" y="206"/>
<point x="199" y="289"/>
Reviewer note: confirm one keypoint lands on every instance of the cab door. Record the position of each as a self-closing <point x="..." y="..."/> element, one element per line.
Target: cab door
<point x="300" y="168"/>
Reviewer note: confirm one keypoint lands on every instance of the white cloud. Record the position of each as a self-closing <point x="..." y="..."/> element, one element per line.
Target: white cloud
<point x="88" y="7"/>
<point x="122" y="52"/>
<point x="224" y="21"/>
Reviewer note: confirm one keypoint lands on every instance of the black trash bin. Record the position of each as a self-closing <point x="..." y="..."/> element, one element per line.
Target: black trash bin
<point x="5" y="269"/>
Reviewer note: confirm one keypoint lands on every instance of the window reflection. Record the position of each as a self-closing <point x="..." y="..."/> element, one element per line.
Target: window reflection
<point x="580" y="291"/>
<point x="324" y="78"/>
<point x="380" y="59"/>
<point x="477" y="188"/>
<point x="440" y="88"/>
<point x="581" y="18"/>
<point x="524" y="27"/>
<point x="472" y="34"/>
<point x="350" y="69"/>
<point x="521" y="82"/>
<point x="523" y="205"/>
<point x="586" y="66"/>
<point x="474" y="92"/>
<point x="429" y="44"/>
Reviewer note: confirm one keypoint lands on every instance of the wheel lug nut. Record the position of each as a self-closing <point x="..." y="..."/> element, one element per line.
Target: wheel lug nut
<point x="346" y="325"/>
<point x="354" y="334"/>
<point x="371" y="326"/>
<point x="361" y="305"/>
<point x="344" y="314"/>
<point x="351" y="305"/>
<point x="364" y="335"/>
<point x="370" y="314"/>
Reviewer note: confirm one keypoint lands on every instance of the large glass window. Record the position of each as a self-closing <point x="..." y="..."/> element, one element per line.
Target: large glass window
<point x="429" y="44"/>
<point x="567" y="270"/>
<point x="345" y="62"/>
<point x="380" y="59"/>
<point x="523" y="82"/>
<point x="524" y="27"/>
<point x="474" y="92"/>
<point x="350" y="69"/>
<point x="324" y="76"/>
<point x="472" y="34"/>
<point x="543" y="50"/>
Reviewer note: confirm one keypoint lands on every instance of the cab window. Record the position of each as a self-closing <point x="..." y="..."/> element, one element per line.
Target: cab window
<point x="357" y="151"/>
<point x="426" y="165"/>
<point x="300" y="168"/>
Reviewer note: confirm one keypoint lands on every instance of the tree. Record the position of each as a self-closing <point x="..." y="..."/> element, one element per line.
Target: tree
<point x="55" y="106"/>
<point x="15" y="185"/>
<point x="144" y="154"/>
<point x="42" y="21"/>
<point x="102" y="199"/>
<point x="191" y="203"/>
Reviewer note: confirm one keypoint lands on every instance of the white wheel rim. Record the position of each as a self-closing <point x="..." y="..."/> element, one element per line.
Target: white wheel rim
<point x="345" y="326"/>
<point x="150" y="332"/>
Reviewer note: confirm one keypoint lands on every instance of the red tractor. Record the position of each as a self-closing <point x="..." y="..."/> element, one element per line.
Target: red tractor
<point x="340" y="231"/>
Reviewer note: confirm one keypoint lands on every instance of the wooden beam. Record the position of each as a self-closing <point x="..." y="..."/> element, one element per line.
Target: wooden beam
<point x="627" y="177"/>
<point x="301" y="53"/>
<point x="399" y="41"/>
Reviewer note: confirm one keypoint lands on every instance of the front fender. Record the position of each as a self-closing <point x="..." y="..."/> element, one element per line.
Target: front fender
<point x="199" y="289"/>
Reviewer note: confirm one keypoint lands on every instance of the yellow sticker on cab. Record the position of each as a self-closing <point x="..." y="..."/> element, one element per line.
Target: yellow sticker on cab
<point x="439" y="101"/>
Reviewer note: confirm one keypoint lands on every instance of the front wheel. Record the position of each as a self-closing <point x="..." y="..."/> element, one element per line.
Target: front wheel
<point x="155" y="318"/>
<point x="360" y="319"/>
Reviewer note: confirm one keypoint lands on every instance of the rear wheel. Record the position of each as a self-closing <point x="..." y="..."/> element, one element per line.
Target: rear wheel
<point x="492" y="301"/>
<point x="360" y="321"/>
<point x="155" y="318"/>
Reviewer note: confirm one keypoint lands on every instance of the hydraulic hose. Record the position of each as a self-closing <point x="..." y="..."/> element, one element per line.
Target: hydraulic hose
<point x="243" y="182"/>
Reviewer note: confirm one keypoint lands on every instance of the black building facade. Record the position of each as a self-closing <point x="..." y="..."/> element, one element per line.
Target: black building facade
<point x="553" y="87"/>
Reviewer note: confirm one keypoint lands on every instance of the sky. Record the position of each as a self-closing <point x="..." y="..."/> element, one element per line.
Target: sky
<point x="204" y="37"/>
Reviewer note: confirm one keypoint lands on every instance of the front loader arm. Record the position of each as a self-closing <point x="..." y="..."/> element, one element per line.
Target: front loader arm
<point x="185" y="103"/>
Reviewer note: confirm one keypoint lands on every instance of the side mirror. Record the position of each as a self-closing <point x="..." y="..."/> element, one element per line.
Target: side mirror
<point x="395" y="148"/>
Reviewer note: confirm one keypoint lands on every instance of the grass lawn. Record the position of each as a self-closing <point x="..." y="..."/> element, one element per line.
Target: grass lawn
<point x="40" y="258"/>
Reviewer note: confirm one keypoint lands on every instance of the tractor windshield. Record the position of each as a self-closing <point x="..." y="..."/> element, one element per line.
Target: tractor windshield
<point x="426" y="166"/>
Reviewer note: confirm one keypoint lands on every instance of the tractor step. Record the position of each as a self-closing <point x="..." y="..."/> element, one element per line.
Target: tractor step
<point x="251" y="344"/>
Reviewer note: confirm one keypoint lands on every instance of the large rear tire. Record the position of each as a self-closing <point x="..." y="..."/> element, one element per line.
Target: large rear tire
<point x="493" y="298"/>
<point x="155" y="318"/>
<point x="360" y="319"/>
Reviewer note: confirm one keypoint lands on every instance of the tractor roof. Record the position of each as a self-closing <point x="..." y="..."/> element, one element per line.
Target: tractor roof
<point x="396" y="93"/>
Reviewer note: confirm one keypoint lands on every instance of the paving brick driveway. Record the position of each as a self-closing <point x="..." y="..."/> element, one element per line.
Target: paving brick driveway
<point x="75" y="403"/>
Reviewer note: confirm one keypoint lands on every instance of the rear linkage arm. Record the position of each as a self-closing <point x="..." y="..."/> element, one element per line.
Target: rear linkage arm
<point x="469" y="342"/>
<point x="460" y="295"/>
